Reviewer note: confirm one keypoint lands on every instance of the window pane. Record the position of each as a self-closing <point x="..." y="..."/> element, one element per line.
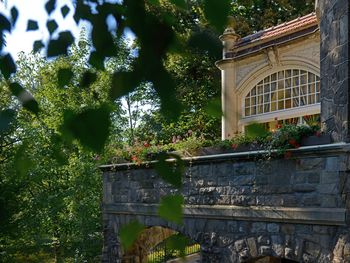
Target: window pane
<point x="273" y="96"/>
<point x="253" y="91"/>
<point x="288" y="103"/>
<point x="288" y="73"/>
<point x="288" y="83"/>
<point x="281" y="84"/>
<point x="247" y="111"/>
<point x="281" y="104"/>
<point x="281" y="94"/>
<point x="281" y="75"/>
<point x="273" y="86"/>
<point x="303" y="100"/>
<point x="266" y="88"/>
<point x="311" y="88"/>
<point x="296" y="92"/>
<point x="288" y="93"/>
<point x="296" y="102"/>
<point x="273" y="76"/>
<point x="253" y="110"/>
<point x="273" y="106"/>
<point x="267" y="107"/>
<point x="285" y="89"/>
<point x="311" y="99"/>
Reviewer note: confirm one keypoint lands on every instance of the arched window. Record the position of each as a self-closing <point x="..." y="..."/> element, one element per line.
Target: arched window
<point x="283" y="90"/>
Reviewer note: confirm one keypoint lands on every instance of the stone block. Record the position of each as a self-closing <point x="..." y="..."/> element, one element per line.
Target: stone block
<point x="251" y="243"/>
<point x="265" y="250"/>
<point x="311" y="200"/>
<point x="310" y="164"/>
<point x="304" y="188"/>
<point x="328" y="200"/>
<point x="328" y="188"/>
<point x="273" y="228"/>
<point x="332" y="164"/>
<point x="329" y="177"/>
<point x="258" y="227"/>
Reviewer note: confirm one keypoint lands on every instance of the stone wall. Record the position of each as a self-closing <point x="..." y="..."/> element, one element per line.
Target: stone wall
<point x="335" y="67"/>
<point x="242" y="206"/>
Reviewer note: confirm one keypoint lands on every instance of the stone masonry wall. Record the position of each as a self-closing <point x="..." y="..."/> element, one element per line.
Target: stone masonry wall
<point x="241" y="206"/>
<point x="334" y="28"/>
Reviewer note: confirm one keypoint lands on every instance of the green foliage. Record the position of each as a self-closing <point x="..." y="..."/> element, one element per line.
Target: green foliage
<point x="129" y="233"/>
<point x="50" y="185"/>
<point x="171" y="172"/>
<point x="170" y="208"/>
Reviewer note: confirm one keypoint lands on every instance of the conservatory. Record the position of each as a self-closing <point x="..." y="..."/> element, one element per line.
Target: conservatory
<point x="272" y="76"/>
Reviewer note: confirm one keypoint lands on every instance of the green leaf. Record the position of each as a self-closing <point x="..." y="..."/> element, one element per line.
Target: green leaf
<point x="170" y="208"/>
<point x="96" y="60"/>
<point x="87" y="79"/>
<point x="206" y="42"/>
<point x="90" y="127"/>
<point x="60" y="46"/>
<point x="22" y="162"/>
<point x="14" y="15"/>
<point x="217" y="11"/>
<point x="256" y="130"/>
<point x="50" y="6"/>
<point x="51" y="26"/>
<point x="170" y="172"/>
<point x="214" y="108"/>
<point x="179" y="3"/>
<point x="179" y="243"/>
<point x="4" y="23"/>
<point x="123" y="83"/>
<point x="7" y="117"/>
<point x="38" y="45"/>
<point x="65" y="10"/>
<point x="129" y="233"/>
<point x="25" y="97"/>
<point x="32" y="25"/>
<point x="64" y="76"/>
<point x="7" y="65"/>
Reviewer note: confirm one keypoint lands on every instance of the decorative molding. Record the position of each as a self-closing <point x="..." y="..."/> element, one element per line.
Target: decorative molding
<point x="298" y="215"/>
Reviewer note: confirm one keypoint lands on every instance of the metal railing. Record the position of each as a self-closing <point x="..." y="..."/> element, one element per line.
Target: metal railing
<point x="161" y="253"/>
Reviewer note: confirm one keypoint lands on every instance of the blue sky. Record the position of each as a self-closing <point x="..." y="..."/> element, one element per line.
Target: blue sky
<point x="20" y="40"/>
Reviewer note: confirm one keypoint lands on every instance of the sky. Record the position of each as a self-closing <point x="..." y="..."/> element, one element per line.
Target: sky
<point x="21" y="40"/>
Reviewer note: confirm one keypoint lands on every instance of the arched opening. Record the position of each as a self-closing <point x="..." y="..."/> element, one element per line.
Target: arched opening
<point x="160" y="244"/>
<point x="270" y="259"/>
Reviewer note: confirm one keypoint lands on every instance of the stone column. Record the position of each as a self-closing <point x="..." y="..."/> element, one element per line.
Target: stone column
<point x="111" y="252"/>
<point x="229" y="100"/>
<point x="335" y="97"/>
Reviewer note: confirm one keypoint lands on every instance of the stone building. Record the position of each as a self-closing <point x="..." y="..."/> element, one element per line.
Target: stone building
<point x="271" y="76"/>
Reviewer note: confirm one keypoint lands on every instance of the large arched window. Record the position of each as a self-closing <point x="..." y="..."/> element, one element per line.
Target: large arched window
<point x="282" y="91"/>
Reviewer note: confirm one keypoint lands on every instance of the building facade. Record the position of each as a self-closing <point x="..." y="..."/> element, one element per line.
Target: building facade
<point x="272" y="76"/>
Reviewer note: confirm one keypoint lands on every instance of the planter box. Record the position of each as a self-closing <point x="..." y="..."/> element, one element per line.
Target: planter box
<point x="316" y="140"/>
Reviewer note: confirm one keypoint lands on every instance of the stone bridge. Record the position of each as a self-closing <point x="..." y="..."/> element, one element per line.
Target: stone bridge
<point x="241" y="207"/>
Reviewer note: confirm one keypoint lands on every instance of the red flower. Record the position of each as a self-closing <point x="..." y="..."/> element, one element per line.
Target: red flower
<point x="292" y="142"/>
<point x="146" y="144"/>
<point x="318" y="134"/>
<point x="134" y="158"/>
<point x="234" y="146"/>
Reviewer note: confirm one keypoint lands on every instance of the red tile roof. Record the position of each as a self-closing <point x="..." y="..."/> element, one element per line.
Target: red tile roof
<point x="280" y="30"/>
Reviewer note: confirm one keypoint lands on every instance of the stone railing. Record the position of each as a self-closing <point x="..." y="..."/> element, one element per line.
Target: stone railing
<point x="241" y="206"/>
